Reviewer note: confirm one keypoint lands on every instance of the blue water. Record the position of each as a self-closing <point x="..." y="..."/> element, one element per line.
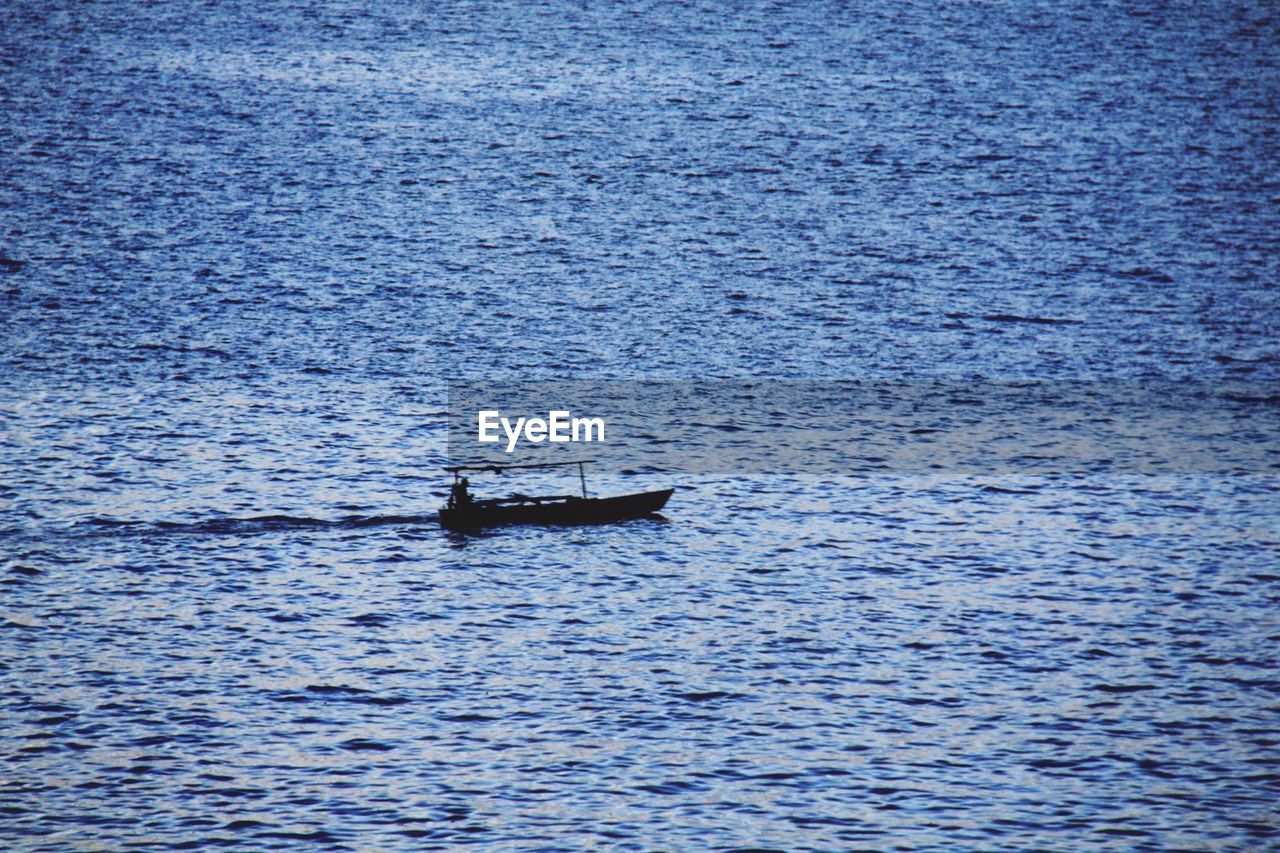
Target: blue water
<point x="246" y="246"/>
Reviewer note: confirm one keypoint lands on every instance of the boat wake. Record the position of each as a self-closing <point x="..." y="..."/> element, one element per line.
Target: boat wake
<point x="248" y="526"/>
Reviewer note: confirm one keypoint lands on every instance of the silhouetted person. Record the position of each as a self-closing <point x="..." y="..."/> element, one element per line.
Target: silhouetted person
<point x="458" y="495"/>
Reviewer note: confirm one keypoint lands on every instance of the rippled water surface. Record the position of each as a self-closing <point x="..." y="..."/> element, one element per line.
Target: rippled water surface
<point x="245" y="247"/>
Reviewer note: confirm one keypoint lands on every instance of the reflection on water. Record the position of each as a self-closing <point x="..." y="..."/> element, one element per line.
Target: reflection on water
<point x="797" y="663"/>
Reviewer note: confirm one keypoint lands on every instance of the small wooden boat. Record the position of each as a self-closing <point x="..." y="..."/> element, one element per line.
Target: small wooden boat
<point x="462" y="512"/>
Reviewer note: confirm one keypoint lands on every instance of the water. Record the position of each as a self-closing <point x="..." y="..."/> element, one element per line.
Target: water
<point x="250" y="244"/>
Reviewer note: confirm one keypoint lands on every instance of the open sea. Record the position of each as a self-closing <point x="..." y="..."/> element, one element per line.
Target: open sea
<point x="244" y="248"/>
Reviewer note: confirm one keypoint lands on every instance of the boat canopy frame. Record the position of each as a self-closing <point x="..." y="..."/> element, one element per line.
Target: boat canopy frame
<point x="456" y="470"/>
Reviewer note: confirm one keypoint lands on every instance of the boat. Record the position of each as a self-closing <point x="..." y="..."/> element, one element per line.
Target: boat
<point x="463" y="512"/>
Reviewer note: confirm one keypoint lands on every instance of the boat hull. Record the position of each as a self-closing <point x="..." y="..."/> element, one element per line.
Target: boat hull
<point x="566" y="511"/>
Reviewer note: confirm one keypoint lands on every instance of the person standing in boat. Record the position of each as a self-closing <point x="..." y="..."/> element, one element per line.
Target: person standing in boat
<point x="459" y="496"/>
